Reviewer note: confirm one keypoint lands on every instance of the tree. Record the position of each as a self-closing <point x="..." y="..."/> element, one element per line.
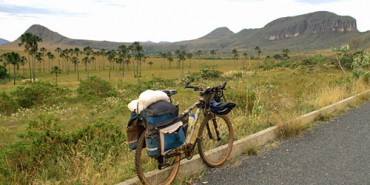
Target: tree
<point x="59" y="51"/>
<point x="56" y="70"/>
<point x="14" y="59"/>
<point x="43" y="51"/>
<point x="75" y="62"/>
<point x="87" y="51"/>
<point x="122" y="57"/>
<point x="189" y="56"/>
<point x="111" y="55"/>
<point x="286" y="53"/>
<point x="170" y="59"/>
<point x="38" y="57"/>
<point x="164" y="56"/>
<point x="150" y="64"/>
<point x="181" y="55"/>
<point x="50" y="57"/>
<point x="138" y="53"/>
<point x="246" y="56"/>
<point x="213" y="53"/>
<point x="198" y="53"/>
<point x="235" y="55"/>
<point x="259" y="52"/>
<point x="30" y="43"/>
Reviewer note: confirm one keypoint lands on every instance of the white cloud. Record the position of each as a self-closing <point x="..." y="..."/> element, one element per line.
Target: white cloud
<point x="160" y="20"/>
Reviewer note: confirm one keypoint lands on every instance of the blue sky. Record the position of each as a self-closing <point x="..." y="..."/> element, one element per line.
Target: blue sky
<point x="160" y="20"/>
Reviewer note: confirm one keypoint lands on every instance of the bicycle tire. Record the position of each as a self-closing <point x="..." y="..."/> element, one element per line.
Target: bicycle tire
<point x="206" y="144"/>
<point x="146" y="167"/>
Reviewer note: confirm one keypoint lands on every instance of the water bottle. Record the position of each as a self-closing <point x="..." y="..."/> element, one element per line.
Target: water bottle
<point x="191" y="120"/>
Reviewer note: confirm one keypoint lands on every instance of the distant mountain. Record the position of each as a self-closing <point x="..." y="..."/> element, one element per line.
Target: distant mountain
<point x="3" y="41"/>
<point x="312" y="31"/>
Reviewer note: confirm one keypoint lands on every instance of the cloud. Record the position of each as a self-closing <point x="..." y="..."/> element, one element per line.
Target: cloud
<point x="318" y="1"/>
<point x="28" y="11"/>
<point x="15" y="9"/>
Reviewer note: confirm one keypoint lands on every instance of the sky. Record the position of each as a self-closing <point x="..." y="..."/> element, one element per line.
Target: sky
<point x="160" y="20"/>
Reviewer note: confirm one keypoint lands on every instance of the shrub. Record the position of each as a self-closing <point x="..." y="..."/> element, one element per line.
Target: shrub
<point x="209" y="72"/>
<point x="95" y="87"/>
<point x="7" y="104"/>
<point x="3" y="72"/>
<point x="154" y="84"/>
<point x="190" y="77"/>
<point x="46" y="147"/>
<point x="38" y="93"/>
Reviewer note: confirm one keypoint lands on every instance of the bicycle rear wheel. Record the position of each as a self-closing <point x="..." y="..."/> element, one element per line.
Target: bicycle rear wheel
<point x="147" y="167"/>
<point x="216" y="138"/>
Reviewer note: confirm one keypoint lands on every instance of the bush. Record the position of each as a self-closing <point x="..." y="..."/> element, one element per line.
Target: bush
<point x="46" y="147"/>
<point x="94" y="87"/>
<point x="190" y="77"/>
<point x="39" y="93"/>
<point x="209" y="72"/>
<point x="3" y="72"/>
<point x="7" y="104"/>
<point x="154" y="84"/>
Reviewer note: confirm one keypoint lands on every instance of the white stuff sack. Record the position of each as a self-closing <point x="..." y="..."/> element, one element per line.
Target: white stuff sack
<point x="147" y="98"/>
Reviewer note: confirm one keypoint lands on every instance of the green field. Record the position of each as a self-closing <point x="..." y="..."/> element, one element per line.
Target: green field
<point x="68" y="138"/>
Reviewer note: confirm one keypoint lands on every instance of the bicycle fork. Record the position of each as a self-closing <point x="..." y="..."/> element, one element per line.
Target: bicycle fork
<point x="215" y="126"/>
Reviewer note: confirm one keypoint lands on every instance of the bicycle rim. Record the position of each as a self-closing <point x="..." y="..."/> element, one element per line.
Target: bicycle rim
<point x="212" y="150"/>
<point x="147" y="167"/>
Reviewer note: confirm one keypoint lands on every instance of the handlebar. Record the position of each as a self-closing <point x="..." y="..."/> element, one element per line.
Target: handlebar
<point x="197" y="88"/>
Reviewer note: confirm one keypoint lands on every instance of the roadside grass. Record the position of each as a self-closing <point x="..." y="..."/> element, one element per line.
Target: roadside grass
<point x="264" y="98"/>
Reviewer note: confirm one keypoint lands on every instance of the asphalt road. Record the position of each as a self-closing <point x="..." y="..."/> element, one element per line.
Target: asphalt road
<point x="333" y="153"/>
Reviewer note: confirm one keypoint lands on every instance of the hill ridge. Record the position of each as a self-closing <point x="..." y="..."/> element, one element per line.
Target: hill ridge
<point x="311" y="31"/>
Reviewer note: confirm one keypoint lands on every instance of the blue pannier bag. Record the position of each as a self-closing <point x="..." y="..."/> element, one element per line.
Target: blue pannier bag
<point x="134" y="130"/>
<point x="159" y="115"/>
<point x="171" y="137"/>
<point x="151" y="142"/>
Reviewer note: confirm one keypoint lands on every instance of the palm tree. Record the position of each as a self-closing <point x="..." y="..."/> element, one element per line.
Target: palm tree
<point x="259" y="52"/>
<point x="199" y="53"/>
<point x="235" y="55"/>
<point x="189" y="56"/>
<point x="170" y="59"/>
<point x="138" y="53"/>
<point x="164" y="56"/>
<point x="50" y="57"/>
<point x="246" y="57"/>
<point x="56" y="70"/>
<point x="43" y="51"/>
<point x="102" y="53"/>
<point x="286" y="53"/>
<point x="87" y="51"/>
<point x="150" y="64"/>
<point x="14" y="59"/>
<point x="181" y="55"/>
<point x="213" y="53"/>
<point x="30" y="43"/>
<point x="38" y="57"/>
<point x="75" y="62"/>
<point x="122" y="57"/>
<point x="59" y="51"/>
<point x="111" y="54"/>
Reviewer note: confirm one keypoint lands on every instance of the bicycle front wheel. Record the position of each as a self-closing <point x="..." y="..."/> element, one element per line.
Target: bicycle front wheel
<point x="216" y="138"/>
<point x="147" y="167"/>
